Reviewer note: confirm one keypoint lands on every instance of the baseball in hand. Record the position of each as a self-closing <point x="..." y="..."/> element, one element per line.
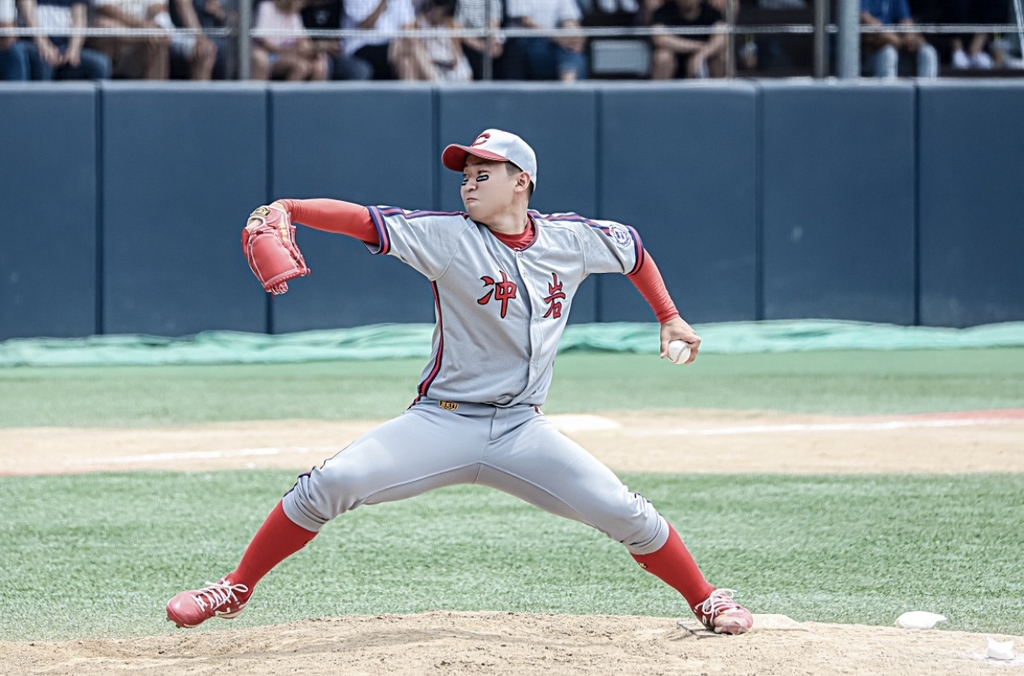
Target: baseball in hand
<point x="678" y="351"/>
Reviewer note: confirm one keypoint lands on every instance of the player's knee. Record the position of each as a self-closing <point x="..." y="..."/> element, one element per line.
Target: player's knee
<point x="635" y="523"/>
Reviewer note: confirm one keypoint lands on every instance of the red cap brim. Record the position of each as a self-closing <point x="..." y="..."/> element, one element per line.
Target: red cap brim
<point x="454" y="156"/>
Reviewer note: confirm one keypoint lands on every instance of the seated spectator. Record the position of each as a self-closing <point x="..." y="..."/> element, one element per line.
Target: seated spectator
<point x="435" y="58"/>
<point x="60" y="57"/>
<point x="550" y="58"/>
<point x="326" y="15"/>
<point x="882" y="50"/>
<point x="473" y="14"/>
<point x="387" y="16"/>
<point x="196" y="54"/>
<point x="280" y="57"/>
<point x="694" y="56"/>
<point x="977" y="12"/>
<point x="146" y="57"/>
<point x="13" y="57"/>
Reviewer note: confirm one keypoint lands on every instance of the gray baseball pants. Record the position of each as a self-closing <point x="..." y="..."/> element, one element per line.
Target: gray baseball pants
<point x="515" y="450"/>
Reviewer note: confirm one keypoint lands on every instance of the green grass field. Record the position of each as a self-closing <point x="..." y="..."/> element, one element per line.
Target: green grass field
<point x="852" y="382"/>
<point x="99" y="555"/>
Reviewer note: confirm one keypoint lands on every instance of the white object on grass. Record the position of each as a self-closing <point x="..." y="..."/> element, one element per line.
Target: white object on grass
<point x="919" y="619"/>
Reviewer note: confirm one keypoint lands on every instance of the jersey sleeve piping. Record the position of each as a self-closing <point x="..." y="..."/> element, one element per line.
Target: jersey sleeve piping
<point x="382" y="232"/>
<point x="638" y="248"/>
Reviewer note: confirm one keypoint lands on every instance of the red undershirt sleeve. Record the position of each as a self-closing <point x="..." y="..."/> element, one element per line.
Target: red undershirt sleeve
<point x="651" y="286"/>
<point x="344" y="218"/>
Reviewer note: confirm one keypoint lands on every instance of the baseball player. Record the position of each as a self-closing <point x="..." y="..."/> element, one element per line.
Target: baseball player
<point x="504" y="278"/>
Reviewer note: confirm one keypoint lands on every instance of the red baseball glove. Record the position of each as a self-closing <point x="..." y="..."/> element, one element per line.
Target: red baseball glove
<point x="268" y="242"/>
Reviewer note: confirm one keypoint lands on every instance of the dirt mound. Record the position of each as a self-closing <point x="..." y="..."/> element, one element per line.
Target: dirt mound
<point x="516" y="644"/>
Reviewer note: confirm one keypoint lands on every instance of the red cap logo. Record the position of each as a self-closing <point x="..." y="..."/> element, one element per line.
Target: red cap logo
<point x="481" y="139"/>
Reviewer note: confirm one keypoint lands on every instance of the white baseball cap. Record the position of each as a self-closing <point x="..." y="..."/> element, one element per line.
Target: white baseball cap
<point x="497" y="145"/>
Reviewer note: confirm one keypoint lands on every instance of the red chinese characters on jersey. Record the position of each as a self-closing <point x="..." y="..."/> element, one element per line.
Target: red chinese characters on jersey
<point x="503" y="291"/>
<point x="555" y="294"/>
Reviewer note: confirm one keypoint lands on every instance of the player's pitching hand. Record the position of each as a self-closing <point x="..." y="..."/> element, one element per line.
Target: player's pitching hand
<point x="677" y="329"/>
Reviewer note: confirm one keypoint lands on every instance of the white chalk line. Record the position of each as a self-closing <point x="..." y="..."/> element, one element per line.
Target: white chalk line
<point x="884" y="426"/>
<point x="207" y="455"/>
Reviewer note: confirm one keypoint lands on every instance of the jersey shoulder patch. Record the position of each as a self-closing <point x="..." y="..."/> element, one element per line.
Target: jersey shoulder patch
<point x="620" y="235"/>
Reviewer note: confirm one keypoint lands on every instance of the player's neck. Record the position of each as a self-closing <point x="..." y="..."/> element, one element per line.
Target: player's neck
<point x="509" y="223"/>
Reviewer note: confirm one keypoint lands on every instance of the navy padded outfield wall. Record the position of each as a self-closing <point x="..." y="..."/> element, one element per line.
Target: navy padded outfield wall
<point x="679" y="163"/>
<point x="48" y="192"/>
<point x="182" y="166"/>
<point x="972" y="203"/>
<point x="888" y="202"/>
<point x="559" y="124"/>
<point x="838" y="201"/>
<point x="361" y="144"/>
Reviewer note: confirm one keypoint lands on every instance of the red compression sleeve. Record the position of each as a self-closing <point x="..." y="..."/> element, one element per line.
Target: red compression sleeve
<point x="343" y="218"/>
<point x="651" y="286"/>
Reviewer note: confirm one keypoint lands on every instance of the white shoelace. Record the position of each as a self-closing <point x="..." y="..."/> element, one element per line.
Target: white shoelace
<point x="217" y="594"/>
<point x="719" y="601"/>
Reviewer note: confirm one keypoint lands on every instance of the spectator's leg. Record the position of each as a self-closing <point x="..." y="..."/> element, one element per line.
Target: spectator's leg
<point x="290" y="67"/>
<point x="513" y="62"/>
<point x="406" y="58"/>
<point x="716" y="65"/>
<point x="259" y="66"/>
<point x="320" y="68"/>
<point x="350" y="68"/>
<point x="959" y="58"/>
<point x="476" y="61"/>
<point x="663" y="64"/>
<point x="377" y="57"/>
<point x="92" y="65"/>
<point x="97" y="65"/>
<point x="540" y="58"/>
<point x="204" y="56"/>
<point x="223" y="66"/>
<point x="885" y="61"/>
<point x="38" y="68"/>
<point x="572" y="66"/>
<point x="958" y="12"/>
<point x="14" y="64"/>
<point x="157" y="58"/>
<point x="108" y="46"/>
<point x="927" y="62"/>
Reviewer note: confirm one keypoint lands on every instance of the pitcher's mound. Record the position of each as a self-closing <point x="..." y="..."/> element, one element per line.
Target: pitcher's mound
<point x="511" y="644"/>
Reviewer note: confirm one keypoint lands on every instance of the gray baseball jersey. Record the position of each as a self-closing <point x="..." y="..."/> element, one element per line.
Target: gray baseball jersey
<point x="500" y="312"/>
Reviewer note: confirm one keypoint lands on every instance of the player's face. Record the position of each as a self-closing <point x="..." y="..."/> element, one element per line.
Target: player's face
<point x="487" y="188"/>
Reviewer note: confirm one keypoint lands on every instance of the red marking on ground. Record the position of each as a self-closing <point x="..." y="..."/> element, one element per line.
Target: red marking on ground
<point x="991" y="414"/>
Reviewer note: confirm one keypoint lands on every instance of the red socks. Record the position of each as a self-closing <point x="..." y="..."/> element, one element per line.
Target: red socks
<point x="278" y="538"/>
<point x="676" y="567"/>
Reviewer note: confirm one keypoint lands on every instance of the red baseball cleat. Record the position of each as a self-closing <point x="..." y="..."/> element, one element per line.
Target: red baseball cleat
<point x="720" y="614"/>
<point x="222" y="599"/>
